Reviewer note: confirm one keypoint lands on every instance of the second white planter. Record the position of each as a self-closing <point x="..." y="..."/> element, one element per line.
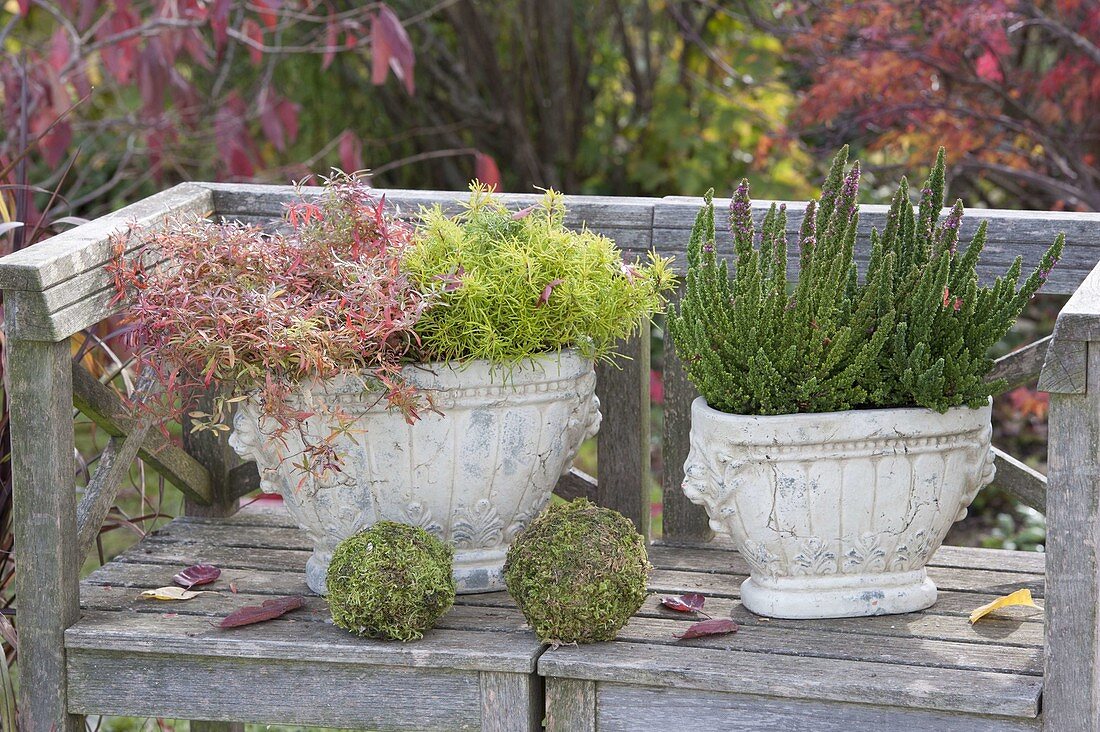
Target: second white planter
<point x="474" y="474"/>
<point x="838" y="513"/>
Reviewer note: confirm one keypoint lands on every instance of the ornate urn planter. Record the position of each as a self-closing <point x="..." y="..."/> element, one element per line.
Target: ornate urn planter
<point x="837" y="513"/>
<point x="474" y="474"/>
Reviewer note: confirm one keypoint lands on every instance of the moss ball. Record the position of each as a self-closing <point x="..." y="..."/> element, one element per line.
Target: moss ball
<point x="578" y="573"/>
<point x="391" y="581"/>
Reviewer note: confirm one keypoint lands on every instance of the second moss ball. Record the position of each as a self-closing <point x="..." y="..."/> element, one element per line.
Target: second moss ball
<point x="578" y="573"/>
<point x="391" y="581"/>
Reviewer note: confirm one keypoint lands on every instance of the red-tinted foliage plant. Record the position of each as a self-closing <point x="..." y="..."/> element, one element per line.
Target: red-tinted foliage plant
<point x="258" y="313"/>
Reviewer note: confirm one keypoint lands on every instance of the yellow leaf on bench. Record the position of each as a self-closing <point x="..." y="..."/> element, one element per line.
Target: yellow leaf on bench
<point x="170" y="593"/>
<point x="1019" y="597"/>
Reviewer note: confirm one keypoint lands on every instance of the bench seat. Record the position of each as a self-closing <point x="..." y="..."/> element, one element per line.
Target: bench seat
<point x="130" y="656"/>
<point x="481" y="668"/>
<point x="923" y="671"/>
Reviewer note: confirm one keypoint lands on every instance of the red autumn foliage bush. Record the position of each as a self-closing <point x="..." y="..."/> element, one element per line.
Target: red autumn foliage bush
<point x="259" y="313"/>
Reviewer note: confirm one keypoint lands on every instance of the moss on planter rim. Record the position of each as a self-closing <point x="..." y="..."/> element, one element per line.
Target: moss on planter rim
<point x="390" y="581"/>
<point x="578" y="573"/>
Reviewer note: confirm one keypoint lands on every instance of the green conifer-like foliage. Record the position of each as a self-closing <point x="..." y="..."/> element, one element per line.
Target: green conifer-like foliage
<point x="508" y="286"/>
<point x="915" y="329"/>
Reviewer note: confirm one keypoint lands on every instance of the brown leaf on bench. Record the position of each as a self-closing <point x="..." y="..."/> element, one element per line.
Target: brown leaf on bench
<point x="689" y="602"/>
<point x="270" y="610"/>
<point x="718" y="626"/>
<point x="197" y="574"/>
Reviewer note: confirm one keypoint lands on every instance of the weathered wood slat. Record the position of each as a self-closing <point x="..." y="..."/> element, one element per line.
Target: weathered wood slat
<point x="117" y="585"/>
<point x="289" y="639"/>
<point x="39" y="380"/>
<point x="794" y="677"/>
<point x="576" y="484"/>
<point x="1064" y="370"/>
<point x="1072" y="696"/>
<point x="1010" y="234"/>
<point x="266" y="691"/>
<point x="1022" y="365"/>
<point x="1020" y="481"/>
<point x="104" y="407"/>
<point x="510" y="702"/>
<point x="1079" y="319"/>
<point x="571" y="706"/>
<point x="87" y="248"/>
<point x="622" y="445"/>
<point x="625" y="708"/>
<point x="213" y="452"/>
<point x="944" y="643"/>
<point x="99" y="495"/>
<point x="681" y="519"/>
<point x="111" y="470"/>
<point x="234" y="199"/>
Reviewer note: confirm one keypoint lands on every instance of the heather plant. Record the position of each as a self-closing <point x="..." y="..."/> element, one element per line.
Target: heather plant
<point x="514" y="285"/>
<point x="259" y="313"/>
<point x="914" y="330"/>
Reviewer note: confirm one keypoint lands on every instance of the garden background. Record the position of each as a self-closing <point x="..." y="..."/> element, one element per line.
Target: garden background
<point x="106" y="102"/>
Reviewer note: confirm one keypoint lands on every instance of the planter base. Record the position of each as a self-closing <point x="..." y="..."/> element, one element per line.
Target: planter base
<point x="839" y="596"/>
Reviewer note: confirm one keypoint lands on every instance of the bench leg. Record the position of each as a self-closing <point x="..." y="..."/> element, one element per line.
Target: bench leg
<point x="510" y="702"/>
<point x="40" y="396"/>
<point x="1071" y="689"/>
<point x="570" y="705"/>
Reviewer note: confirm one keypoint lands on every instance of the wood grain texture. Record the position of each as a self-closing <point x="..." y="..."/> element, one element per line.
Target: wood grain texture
<point x="198" y="725"/>
<point x="681" y="520"/>
<point x="211" y="450"/>
<point x="1065" y="367"/>
<point x="1021" y="481"/>
<point x="625" y="708"/>
<point x="820" y="679"/>
<point x="112" y="468"/>
<point x="1010" y="234"/>
<point x="510" y="702"/>
<point x="1072" y="695"/>
<point x="39" y="381"/>
<point x="86" y="248"/>
<point x="622" y="445"/>
<point x="1022" y="365"/>
<point x="1080" y="317"/>
<point x="291" y="639"/>
<point x="576" y="484"/>
<point x="267" y="691"/>
<point x="571" y="706"/>
<point x="104" y="406"/>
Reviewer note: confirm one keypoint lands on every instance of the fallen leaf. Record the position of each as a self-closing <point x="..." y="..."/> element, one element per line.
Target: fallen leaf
<point x="718" y="626"/>
<point x="270" y="610"/>
<point x="198" y="574"/>
<point x="233" y="587"/>
<point x="170" y="593"/>
<point x="546" y="291"/>
<point x="689" y="602"/>
<point x="1019" y="597"/>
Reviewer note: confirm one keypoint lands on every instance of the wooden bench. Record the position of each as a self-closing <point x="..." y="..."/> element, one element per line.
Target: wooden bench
<point x="91" y="648"/>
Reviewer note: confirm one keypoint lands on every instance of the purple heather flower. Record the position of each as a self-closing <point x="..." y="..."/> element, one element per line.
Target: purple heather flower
<point x="741" y="210"/>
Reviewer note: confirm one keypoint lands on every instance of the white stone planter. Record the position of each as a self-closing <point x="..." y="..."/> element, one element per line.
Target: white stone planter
<point x="837" y="513"/>
<point x="474" y="475"/>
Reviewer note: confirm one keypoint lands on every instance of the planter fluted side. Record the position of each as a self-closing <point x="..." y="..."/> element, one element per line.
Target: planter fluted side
<point x="837" y="514"/>
<point x="474" y="473"/>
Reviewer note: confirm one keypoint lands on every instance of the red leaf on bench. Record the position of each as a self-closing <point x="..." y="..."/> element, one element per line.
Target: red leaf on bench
<point x="718" y="626"/>
<point x="689" y="602"/>
<point x="198" y="574"/>
<point x="270" y="610"/>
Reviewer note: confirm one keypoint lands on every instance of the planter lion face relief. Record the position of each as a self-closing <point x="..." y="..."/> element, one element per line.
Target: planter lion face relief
<point x="837" y="513"/>
<point x="474" y="475"/>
